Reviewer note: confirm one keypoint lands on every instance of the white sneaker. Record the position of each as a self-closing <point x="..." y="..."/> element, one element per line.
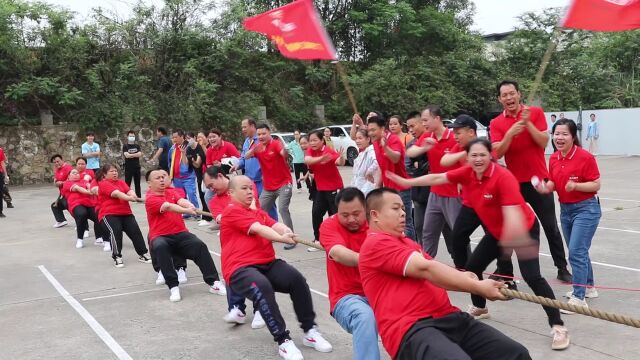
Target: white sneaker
<point x="203" y="223"/>
<point x="218" y="288"/>
<point x="182" y="276"/>
<point x="314" y="339"/>
<point x="289" y="351"/>
<point x="235" y="316"/>
<point x="574" y="301"/>
<point x="60" y="224"/>
<point x="258" y="321"/>
<point x="478" y="313"/>
<point x="98" y="242"/>
<point x="79" y="244"/>
<point x="561" y="339"/>
<point x="175" y="294"/>
<point x="160" y="279"/>
<point x="86" y="234"/>
<point x="312" y="249"/>
<point x="107" y="246"/>
<point x="118" y="262"/>
<point x="590" y="293"/>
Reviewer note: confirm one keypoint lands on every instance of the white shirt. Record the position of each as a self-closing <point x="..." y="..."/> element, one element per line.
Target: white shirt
<point x="365" y="165"/>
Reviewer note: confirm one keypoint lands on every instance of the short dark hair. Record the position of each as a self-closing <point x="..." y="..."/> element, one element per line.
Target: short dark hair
<point x="90" y="133"/>
<point x="180" y="132"/>
<point x="573" y="129"/>
<point x="482" y="141"/>
<point x="592" y="114"/>
<point x="215" y="131"/>
<point x="374" y="198"/>
<point x="214" y="171"/>
<point x="55" y="157"/>
<point x="553" y="115"/>
<point x="81" y="158"/>
<point x="413" y="114"/>
<point x="319" y="134"/>
<point x="348" y="194"/>
<point x="162" y="130"/>
<point x="263" y="126"/>
<point x="131" y="132"/>
<point x="105" y="169"/>
<point x="435" y="110"/>
<point x="377" y="120"/>
<point x="507" y="82"/>
<point x="191" y="134"/>
<point x="147" y="175"/>
<point x="250" y="120"/>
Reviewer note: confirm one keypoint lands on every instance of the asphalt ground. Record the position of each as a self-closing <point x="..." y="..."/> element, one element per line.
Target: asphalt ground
<point x="59" y="302"/>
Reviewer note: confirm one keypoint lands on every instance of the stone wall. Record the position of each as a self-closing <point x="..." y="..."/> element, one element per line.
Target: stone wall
<point x="29" y="148"/>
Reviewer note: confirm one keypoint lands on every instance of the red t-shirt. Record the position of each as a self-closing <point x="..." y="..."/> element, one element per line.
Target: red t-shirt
<point x="239" y="248"/>
<point x="219" y="202"/>
<point x="75" y="198"/>
<point x="343" y="280"/>
<point x="62" y="173"/>
<point x="385" y="163"/>
<point x="578" y="166"/>
<point x="397" y="301"/>
<point x="225" y="150"/>
<point x="3" y="157"/>
<point x="89" y="173"/>
<point x="110" y="205"/>
<point x="326" y="176"/>
<point x="524" y="158"/>
<point x="163" y="222"/>
<point x="441" y="147"/>
<point x="497" y="188"/>
<point x="275" y="170"/>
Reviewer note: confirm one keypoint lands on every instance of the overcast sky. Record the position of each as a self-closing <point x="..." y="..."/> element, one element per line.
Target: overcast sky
<point x="492" y="16"/>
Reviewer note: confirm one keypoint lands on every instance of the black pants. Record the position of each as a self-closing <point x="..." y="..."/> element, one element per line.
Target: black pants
<point x="82" y="215"/>
<point x="488" y="250"/>
<point x="325" y="201"/>
<point x="178" y="261"/>
<point x="187" y="246"/>
<point x="466" y="223"/>
<point x="116" y="225"/>
<point x="133" y="174"/>
<point x="58" y="207"/>
<point x="299" y="169"/>
<point x="205" y="206"/>
<point x="1" y="190"/>
<point x="259" y="283"/>
<point x="458" y="336"/>
<point x="544" y="207"/>
<point x="5" y="192"/>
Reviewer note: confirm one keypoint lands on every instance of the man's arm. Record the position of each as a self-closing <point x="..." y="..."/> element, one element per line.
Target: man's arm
<point x="424" y="180"/>
<point x="393" y="155"/>
<point x="343" y="255"/>
<point x="177" y="208"/>
<point x="452" y="158"/>
<point x="271" y="234"/>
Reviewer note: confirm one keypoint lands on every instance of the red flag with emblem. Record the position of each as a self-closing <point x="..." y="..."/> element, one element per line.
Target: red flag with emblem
<point x="603" y="15"/>
<point x="296" y="29"/>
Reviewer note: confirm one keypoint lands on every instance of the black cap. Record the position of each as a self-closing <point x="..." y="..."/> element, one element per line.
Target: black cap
<point x="464" y="121"/>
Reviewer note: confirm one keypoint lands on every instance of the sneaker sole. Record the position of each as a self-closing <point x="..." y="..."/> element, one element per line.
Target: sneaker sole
<point x="256" y="327"/>
<point x="481" y="317"/>
<point x="174" y="300"/>
<point x="234" y="321"/>
<point x="313" y="345"/>
<point x="217" y="292"/>
<point x="145" y="261"/>
<point x="563" y="347"/>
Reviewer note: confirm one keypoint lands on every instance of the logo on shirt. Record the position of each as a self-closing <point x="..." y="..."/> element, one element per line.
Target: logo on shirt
<point x="488" y="196"/>
<point x="574" y="178"/>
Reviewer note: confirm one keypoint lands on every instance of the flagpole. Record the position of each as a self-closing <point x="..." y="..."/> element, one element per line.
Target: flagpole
<point x="347" y="87"/>
<point x="553" y="43"/>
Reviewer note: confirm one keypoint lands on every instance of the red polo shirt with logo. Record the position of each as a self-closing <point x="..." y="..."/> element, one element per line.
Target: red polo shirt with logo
<point x="578" y="166"/>
<point x="326" y="176"/>
<point x="393" y="142"/>
<point x="163" y="222"/>
<point x="224" y="150"/>
<point x="110" y="205"/>
<point x="275" y="170"/>
<point x="219" y="202"/>
<point x="441" y="147"/>
<point x="75" y="198"/>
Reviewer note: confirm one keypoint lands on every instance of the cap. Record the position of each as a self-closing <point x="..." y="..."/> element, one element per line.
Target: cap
<point x="463" y="121"/>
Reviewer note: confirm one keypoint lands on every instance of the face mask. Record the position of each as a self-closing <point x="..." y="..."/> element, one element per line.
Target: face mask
<point x="132" y="138"/>
<point x="191" y="142"/>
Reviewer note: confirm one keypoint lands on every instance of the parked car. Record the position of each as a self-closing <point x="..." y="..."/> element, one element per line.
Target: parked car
<point x="481" y="130"/>
<point x="342" y="140"/>
<point x="285" y="138"/>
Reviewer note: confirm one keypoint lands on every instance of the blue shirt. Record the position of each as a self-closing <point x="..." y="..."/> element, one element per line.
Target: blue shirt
<point x="165" y="145"/>
<point x="92" y="162"/>
<point x="251" y="166"/>
<point x="185" y="170"/>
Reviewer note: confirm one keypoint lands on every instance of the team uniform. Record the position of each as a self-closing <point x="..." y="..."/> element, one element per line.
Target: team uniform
<point x="328" y="183"/>
<point x="276" y="181"/>
<point x="82" y="207"/>
<point x="58" y="206"/>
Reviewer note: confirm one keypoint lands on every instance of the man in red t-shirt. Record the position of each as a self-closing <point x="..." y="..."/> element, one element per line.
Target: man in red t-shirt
<point x="397" y="277"/>
<point x="61" y="171"/>
<point x="250" y="268"/>
<point x="520" y="134"/>
<point x="169" y="236"/>
<point x="277" y="183"/>
<point x="342" y="235"/>
<point x="390" y="155"/>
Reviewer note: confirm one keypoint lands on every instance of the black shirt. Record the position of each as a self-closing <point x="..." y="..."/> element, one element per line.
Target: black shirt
<point x="131" y="163"/>
<point x="192" y="155"/>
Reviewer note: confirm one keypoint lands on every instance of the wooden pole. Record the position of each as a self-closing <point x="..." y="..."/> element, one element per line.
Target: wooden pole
<point x="347" y="87"/>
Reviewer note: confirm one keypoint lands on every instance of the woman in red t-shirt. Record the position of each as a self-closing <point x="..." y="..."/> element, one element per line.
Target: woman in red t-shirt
<point x="574" y="175"/>
<point x="81" y="205"/>
<point x="322" y="161"/>
<point x="81" y="166"/>
<point x="510" y="225"/>
<point x="114" y="196"/>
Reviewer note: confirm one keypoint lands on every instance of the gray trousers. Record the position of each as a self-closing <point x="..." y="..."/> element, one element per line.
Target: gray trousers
<point x="283" y="194"/>
<point x="440" y="210"/>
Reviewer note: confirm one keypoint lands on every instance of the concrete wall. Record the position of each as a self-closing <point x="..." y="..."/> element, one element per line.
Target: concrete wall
<point x="29" y="148"/>
<point x="619" y="129"/>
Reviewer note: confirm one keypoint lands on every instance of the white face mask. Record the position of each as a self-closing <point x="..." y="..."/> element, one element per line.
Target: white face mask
<point x="132" y="138"/>
<point x="191" y="142"/>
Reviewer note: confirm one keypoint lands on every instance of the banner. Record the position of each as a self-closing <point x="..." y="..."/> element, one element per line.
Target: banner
<point x="603" y="15"/>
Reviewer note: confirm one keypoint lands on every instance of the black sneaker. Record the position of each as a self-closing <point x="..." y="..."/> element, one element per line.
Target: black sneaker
<point x="10" y="206"/>
<point x="118" y="262"/>
<point x="289" y="246"/>
<point x="2" y="215"/>
<point x="144" y="258"/>
<point x="564" y="275"/>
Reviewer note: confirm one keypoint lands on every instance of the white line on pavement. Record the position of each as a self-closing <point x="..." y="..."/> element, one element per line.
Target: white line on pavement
<point x="135" y="292"/>
<point x="319" y="293"/>
<point x="623" y="230"/>
<point x="86" y="316"/>
<point x="612" y="199"/>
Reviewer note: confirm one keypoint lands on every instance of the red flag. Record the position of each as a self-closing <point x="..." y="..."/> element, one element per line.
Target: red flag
<point x="603" y="15"/>
<point x="297" y="30"/>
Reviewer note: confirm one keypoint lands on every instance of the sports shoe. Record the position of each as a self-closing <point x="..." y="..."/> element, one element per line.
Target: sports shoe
<point x="258" y="321"/>
<point x="160" y="279"/>
<point x="144" y="258"/>
<point x="314" y="339"/>
<point x="561" y="338"/>
<point x="564" y="275"/>
<point x="107" y="246"/>
<point x="2" y="215"/>
<point x="312" y="249"/>
<point x="98" y="242"/>
<point x="182" y="276"/>
<point x="175" y="294"/>
<point x="289" y="246"/>
<point x="590" y="293"/>
<point x="235" y="316"/>
<point x="60" y="224"/>
<point x="203" y="223"/>
<point x="574" y="301"/>
<point x="79" y="244"/>
<point x="10" y="206"/>
<point x="86" y="234"/>
<point x="118" y="262"/>
<point x="218" y="288"/>
<point x="289" y="351"/>
<point x="478" y="313"/>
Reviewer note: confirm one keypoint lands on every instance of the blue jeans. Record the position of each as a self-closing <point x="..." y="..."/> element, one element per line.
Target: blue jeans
<point x="579" y="223"/>
<point x="355" y="315"/>
<point x="409" y="228"/>
<point x="273" y="212"/>
<point x="188" y="184"/>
